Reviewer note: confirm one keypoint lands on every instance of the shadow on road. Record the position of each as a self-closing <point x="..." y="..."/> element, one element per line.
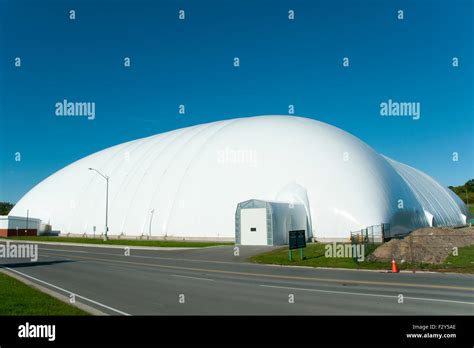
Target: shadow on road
<point x="33" y="264"/>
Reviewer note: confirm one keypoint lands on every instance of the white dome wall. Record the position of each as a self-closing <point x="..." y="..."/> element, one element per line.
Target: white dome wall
<point x="436" y="201"/>
<point x="194" y="191"/>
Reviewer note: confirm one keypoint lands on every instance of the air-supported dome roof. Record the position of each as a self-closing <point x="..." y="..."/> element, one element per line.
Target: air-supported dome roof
<point x="188" y="182"/>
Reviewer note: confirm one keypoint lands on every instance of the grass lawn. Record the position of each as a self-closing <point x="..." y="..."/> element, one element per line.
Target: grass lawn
<point x="314" y="257"/>
<point x="464" y="262"/>
<point x="131" y="242"/>
<point x="17" y="298"/>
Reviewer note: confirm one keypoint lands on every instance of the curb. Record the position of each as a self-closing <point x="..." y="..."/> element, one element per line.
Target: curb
<point x="108" y="246"/>
<point x="52" y="293"/>
<point x="361" y="270"/>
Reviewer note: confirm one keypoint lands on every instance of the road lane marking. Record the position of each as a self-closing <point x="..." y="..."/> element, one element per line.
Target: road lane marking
<point x="364" y="294"/>
<point x="163" y="258"/>
<point x="64" y="290"/>
<point x="182" y="276"/>
<point x="68" y="251"/>
<point x="365" y="282"/>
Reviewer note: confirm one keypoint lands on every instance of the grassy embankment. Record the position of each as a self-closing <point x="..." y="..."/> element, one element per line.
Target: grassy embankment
<point x="129" y="242"/>
<point x="17" y="298"/>
<point x="314" y="256"/>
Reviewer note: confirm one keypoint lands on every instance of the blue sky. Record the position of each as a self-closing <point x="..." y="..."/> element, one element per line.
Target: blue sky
<point x="190" y="62"/>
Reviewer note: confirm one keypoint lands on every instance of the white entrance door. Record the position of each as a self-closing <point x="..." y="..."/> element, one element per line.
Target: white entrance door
<point x="253" y="226"/>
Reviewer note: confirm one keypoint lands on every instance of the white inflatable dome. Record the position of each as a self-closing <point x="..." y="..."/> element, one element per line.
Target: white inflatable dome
<point x="187" y="183"/>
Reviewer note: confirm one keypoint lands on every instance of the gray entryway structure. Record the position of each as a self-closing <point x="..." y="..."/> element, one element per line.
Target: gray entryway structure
<point x="259" y="222"/>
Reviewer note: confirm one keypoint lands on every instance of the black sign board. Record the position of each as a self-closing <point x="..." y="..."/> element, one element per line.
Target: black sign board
<point x="297" y="239"/>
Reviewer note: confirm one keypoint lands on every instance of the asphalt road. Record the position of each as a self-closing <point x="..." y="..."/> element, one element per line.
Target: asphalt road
<point x="214" y="281"/>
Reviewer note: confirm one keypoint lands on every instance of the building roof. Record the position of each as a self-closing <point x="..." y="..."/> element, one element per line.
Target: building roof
<point x="188" y="182"/>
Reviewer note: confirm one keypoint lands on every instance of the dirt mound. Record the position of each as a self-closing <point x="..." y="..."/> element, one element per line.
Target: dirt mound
<point x="426" y="245"/>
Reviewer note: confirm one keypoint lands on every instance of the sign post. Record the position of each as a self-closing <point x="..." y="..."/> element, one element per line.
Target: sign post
<point x="297" y="240"/>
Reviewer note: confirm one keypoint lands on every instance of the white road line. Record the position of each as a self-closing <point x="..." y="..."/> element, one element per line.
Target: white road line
<point x="364" y="294"/>
<point x="67" y="291"/>
<point x="69" y="251"/>
<point x="54" y="257"/>
<point x="161" y="258"/>
<point x="182" y="276"/>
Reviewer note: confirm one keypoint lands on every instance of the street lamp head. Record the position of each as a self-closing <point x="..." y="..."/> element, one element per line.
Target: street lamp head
<point x="101" y="174"/>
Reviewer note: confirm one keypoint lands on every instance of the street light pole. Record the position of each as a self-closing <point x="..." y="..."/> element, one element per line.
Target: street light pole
<point x="27" y="216"/>
<point x="106" y="202"/>
<point x="106" y="208"/>
<point x="151" y="218"/>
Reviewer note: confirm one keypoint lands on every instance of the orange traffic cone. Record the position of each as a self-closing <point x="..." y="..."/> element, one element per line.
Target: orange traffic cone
<point x="394" y="266"/>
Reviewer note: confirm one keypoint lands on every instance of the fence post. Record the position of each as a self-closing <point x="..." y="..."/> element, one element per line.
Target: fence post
<point x="411" y="251"/>
<point x="366" y="238"/>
